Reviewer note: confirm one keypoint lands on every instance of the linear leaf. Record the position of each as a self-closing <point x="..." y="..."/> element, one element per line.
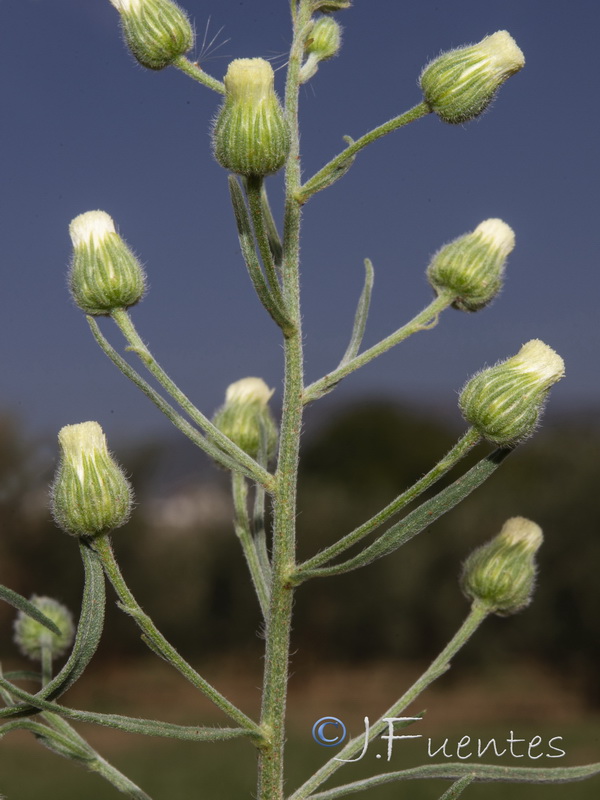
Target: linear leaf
<point x="21" y="603"/>
<point x="360" y="318"/>
<point x="479" y="772"/>
<point x="419" y="519"/>
<point x="148" y="727"/>
<point x="89" y="630"/>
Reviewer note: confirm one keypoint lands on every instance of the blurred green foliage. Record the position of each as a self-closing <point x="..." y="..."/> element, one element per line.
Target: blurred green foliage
<point x="193" y="579"/>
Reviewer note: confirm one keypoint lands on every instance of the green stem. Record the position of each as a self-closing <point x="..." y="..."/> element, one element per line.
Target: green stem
<point x="258" y="473"/>
<point x="317" y="181"/>
<point x="278" y="626"/>
<point x="460" y="449"/>
<point x="423" y="321"/>
<point x="194" y="71"/>
<point x="103" y="547"/>
<point x="244" y="534"/>
<point x="46" y="652"/>
<point x="437" y="668"/>
<point x="170" y="413"/>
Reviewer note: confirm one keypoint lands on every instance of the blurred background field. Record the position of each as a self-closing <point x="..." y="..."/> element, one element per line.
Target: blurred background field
<point x="359" y="639"/>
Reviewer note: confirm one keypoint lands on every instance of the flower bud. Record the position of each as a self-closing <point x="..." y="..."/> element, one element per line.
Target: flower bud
<point x="460" y="84"/>
<point x="104" y="274"/>
<point x="505" y="401"/>
<point x="501" y="573"/>
<point x="323" y="42"/>
<point x="471" y="268"/>
<point x="325" y="39"/>
<point x="90" y="494"/>
<point x="245" y="417"/>
<point x="251" y="136"/>
<point x="31" y="636"/>
<point x="156" y="31"/>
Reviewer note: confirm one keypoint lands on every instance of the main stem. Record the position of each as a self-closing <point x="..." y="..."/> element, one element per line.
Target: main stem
<point x="270" y="766"/>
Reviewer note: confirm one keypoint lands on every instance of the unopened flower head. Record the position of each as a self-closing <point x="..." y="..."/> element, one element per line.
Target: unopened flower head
<point x="323" y="42"/>
<point x="460" y="84"/>
<point x="471" y="268"/>
<point x="104" y="275"/>
<point x="31" y="636"/>
<point x="156" y="31"/>
<point x="246" y="417"/>
<point x="504" y="402"/>
<point x="501" y="574"/>
<point x="250" y="135"/>
<point x="90" y="494"/>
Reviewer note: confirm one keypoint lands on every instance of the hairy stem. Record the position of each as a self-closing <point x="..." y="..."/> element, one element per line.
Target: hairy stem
<point x="423" y="321"/>
<point x="437" y="667"/>
<point x="270" y="768"/>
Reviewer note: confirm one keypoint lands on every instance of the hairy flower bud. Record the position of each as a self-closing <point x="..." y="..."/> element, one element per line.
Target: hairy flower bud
<point x="471" y="268"/>
<point x="246" y="418"/>
<point x="504" y="402"/>
<point x="90" y="494"/>
<point x="156" y="31"/>
<point x="323" y="42"/>
<point x="31" y="636"/>
<point x="104" y="274"/>
<point x="460" y="84"/>
<point x="250" y="135"/>
<point x="501" y="573"/>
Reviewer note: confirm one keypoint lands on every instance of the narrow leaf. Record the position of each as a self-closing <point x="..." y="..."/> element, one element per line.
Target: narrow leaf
<point x="478" y="772"/>
<point x="360" y="318"/>
<point x="419" y="519"/>
<point x="53" y="740"/>
<point x="19" y="602"/>
<point x="271" y="228"/>
<point x="246" y="239"/>
<point x="89" y="630"/>
<point x="147" y="727"/>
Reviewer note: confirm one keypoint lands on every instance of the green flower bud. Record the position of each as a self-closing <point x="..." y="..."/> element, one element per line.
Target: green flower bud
<point x="471" y="268"/>
<point x="504" y="402"/>
<point x="246" y="416"/>
<point x="251" y="136"/>
<point x="104" y="273"/>
<point x="501" y="573"/>
<point x="90" y="494"/>
<point x="324" y="42"/>
<point x="31" y="636"/>
<point x="156" y="31"/>
<point x="460" y="84"/>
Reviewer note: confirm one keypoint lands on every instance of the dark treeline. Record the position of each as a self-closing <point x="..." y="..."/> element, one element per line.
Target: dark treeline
<point x="186" y="568"/>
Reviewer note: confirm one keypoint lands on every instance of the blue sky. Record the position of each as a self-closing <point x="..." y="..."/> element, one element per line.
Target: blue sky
<point x="84" y="127"/>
